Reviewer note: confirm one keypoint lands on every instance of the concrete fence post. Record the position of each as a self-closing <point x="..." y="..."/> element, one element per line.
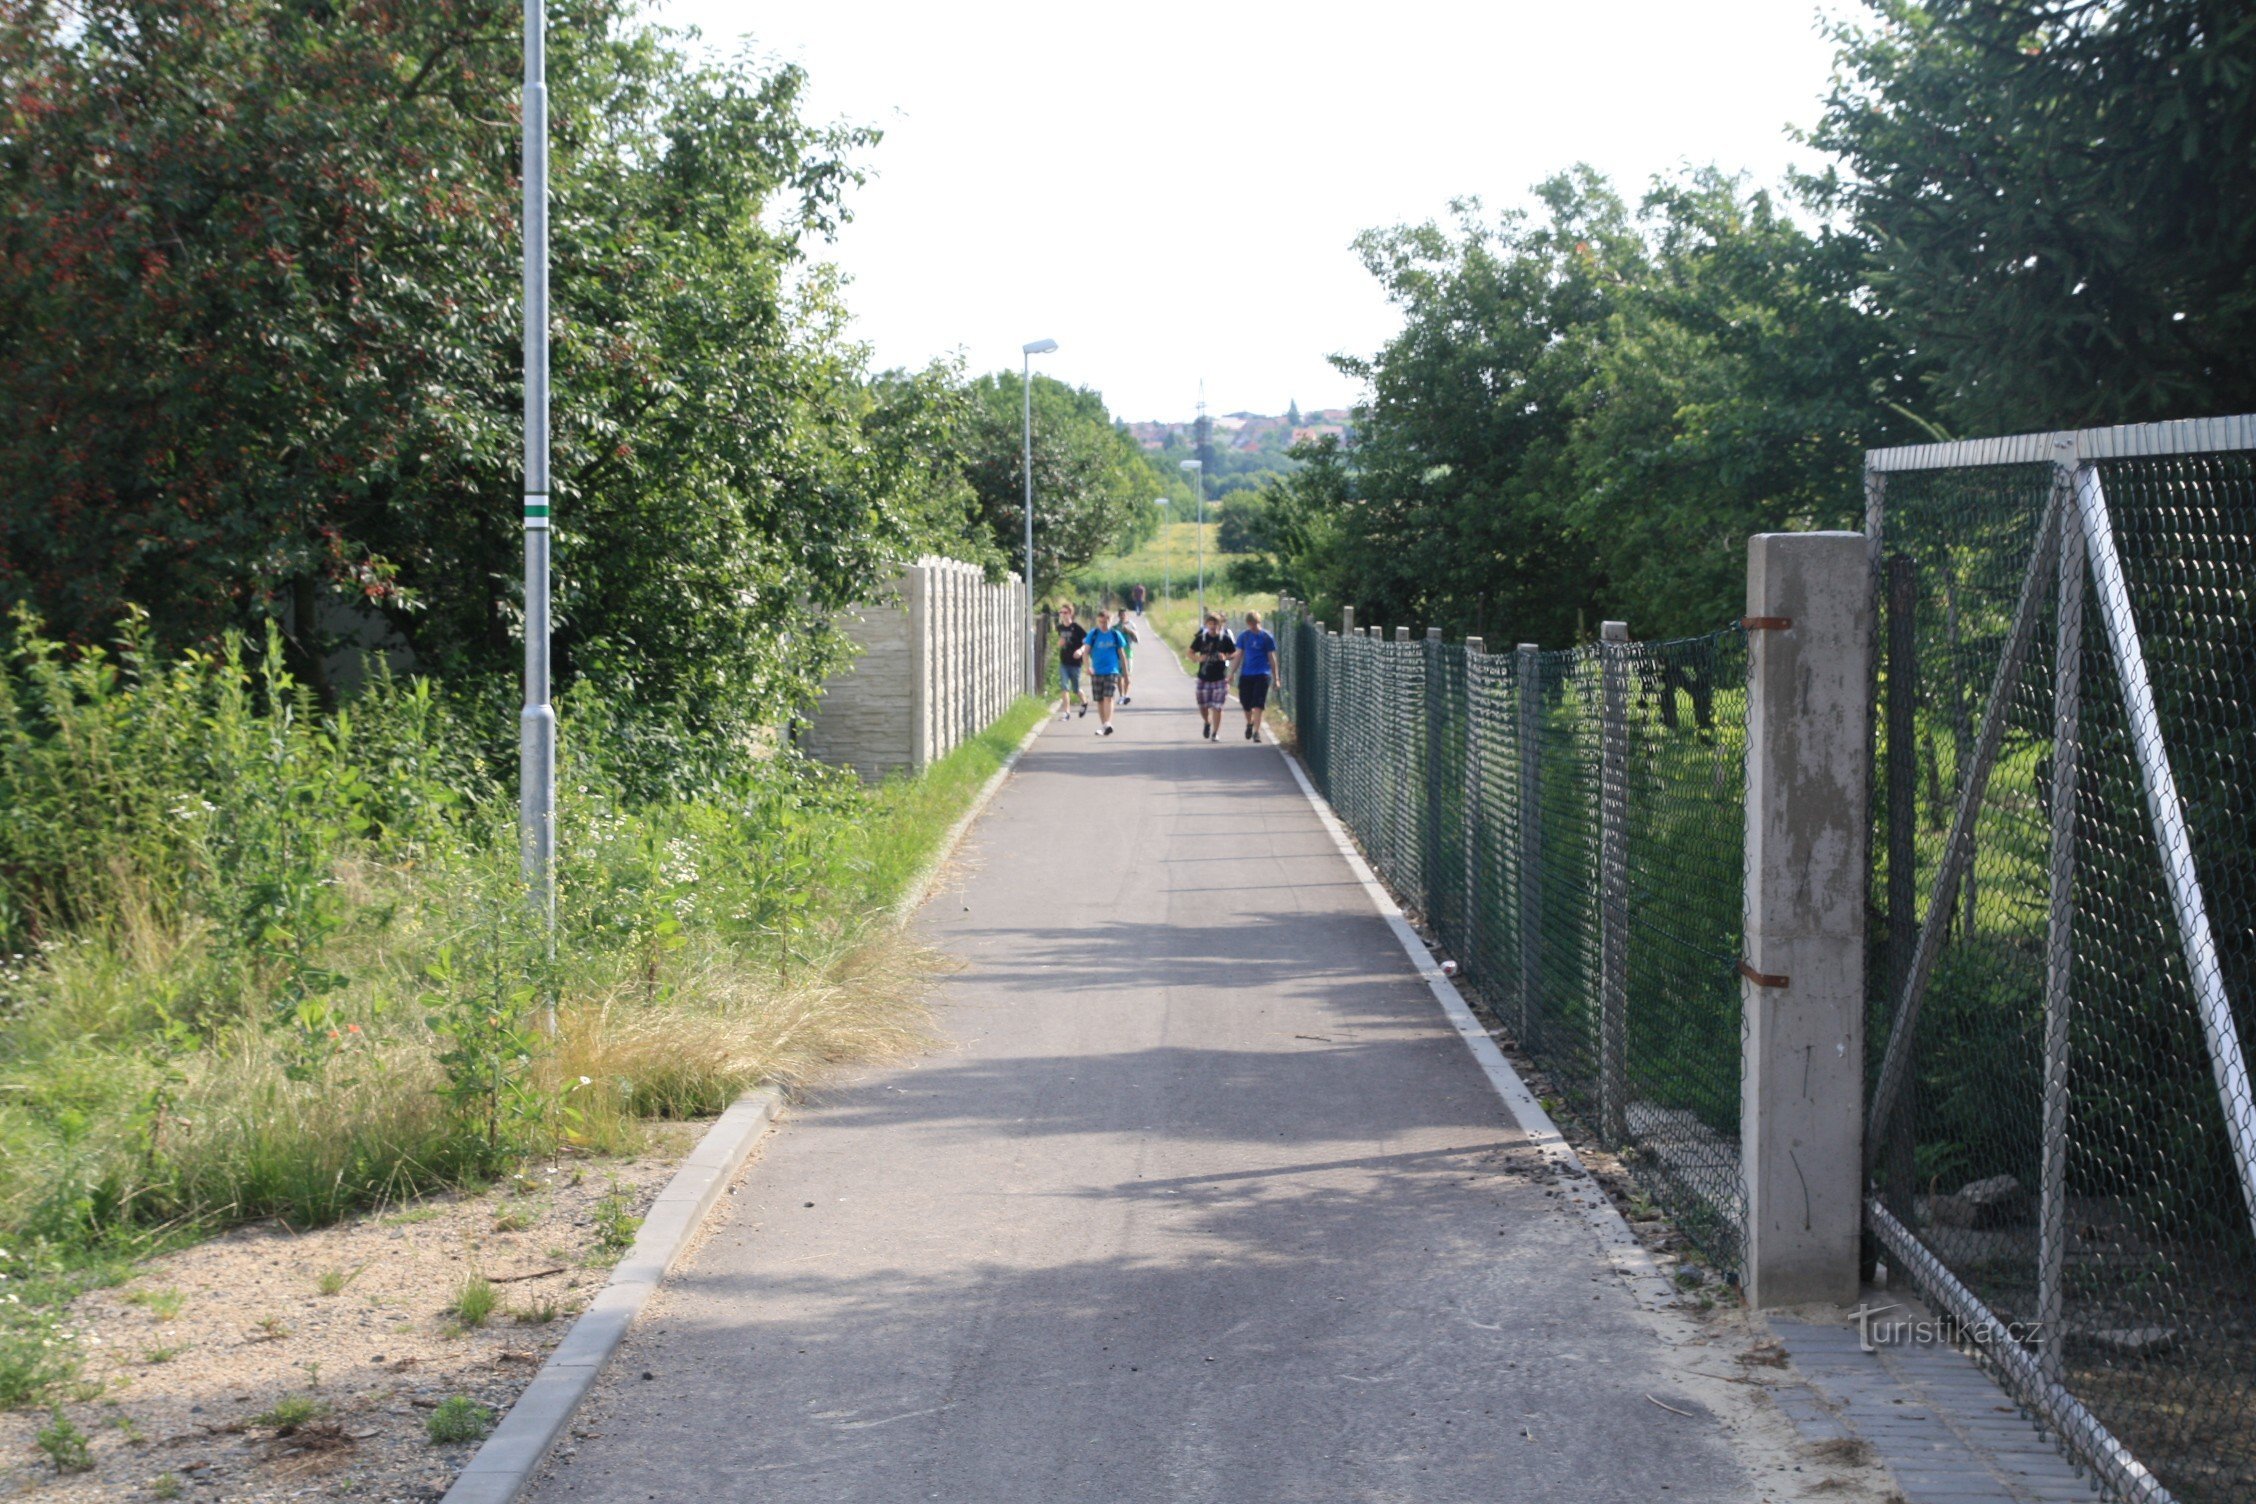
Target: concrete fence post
<point x="1809" y="752"/>
<point x="1529" y="855"/>
<point x="921" y="657"/>
<point x="1613" y="884"/>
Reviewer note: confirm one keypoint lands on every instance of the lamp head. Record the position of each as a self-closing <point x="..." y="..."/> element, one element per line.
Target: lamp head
<point x="1193" y="464"/>
<point x="1039" y="347"/>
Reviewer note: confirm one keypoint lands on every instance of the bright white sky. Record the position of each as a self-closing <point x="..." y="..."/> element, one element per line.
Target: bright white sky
<point x="1169" y="189"/>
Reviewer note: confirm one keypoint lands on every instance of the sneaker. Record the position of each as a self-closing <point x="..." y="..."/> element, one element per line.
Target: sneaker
<point x="1084" y="710"/>
<point x="1106" y="732"/>
<point x="1249" y="733"/>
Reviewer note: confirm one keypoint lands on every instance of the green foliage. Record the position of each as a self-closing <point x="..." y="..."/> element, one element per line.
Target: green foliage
<point x="458" y="1419"/>
<point x="291" y="1412"/>
<point x="270" y="961"/>
<point x="1587" y="411"/>
<point x="2057" y="200"/>
<point x="247" y="379"/>
<point x="615" y="1224"/>
<point x="474" y="1301"/>
<point x="1092" y="487"/>
<point x="65" y="1444"/>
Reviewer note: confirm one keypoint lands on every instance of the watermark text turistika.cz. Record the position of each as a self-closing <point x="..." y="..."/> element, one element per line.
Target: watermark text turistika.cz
<point x="1876" y="1329"/>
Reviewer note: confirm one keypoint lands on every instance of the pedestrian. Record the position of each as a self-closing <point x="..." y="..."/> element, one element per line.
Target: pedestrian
<point x="1138" y="593"/>
<point x="1129" y="637"/>
<point x="1212" y="647"/>
<point x="1256" y="662"/>
<point x="1070" y="638"/>
<point x="1104" y="649"/>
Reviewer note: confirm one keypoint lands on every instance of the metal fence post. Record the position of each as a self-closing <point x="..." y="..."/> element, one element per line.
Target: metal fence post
<point x="1530" y="853"/>
<point x="1429" y="831"/>
<point x="1473" y="803"/>
<point x="1613" y="884"/>
<point x="1809" y="749"/>
<point x="2060" y="924"/>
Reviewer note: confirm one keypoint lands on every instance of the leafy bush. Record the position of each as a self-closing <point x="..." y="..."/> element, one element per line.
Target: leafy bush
<point x="268" y="961"/>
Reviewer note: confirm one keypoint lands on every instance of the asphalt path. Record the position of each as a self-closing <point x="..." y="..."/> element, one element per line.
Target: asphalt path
<point x="1201" y="1199"/>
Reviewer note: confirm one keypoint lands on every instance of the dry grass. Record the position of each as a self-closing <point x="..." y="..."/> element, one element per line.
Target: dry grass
<point x="722" y="1030"/>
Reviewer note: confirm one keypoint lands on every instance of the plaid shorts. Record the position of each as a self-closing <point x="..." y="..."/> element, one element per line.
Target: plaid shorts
<point x="1213" y="694"/>
<point x="1104" y="686"/>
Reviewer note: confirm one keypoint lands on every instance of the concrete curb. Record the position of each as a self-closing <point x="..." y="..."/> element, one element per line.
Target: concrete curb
<point x="505" y="1464"/>
<point x="1617" y="1245"/>
<point x="913" y="897"/>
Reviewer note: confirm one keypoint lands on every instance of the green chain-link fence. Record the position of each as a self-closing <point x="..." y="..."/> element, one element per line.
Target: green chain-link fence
<point x="1571" y="825"/>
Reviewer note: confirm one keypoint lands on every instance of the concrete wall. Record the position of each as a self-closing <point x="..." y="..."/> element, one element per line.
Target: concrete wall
<point x="941" y="656"/>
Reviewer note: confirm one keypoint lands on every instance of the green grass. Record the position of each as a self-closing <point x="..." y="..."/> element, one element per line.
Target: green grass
<point x="1168" y="564"/>
<point x="290" y="1412"/>
<point x="263" y="962"/>
<point x="458" y="1419"/>
<point x="474" y="1301"/>
<point x="911" y="815"/>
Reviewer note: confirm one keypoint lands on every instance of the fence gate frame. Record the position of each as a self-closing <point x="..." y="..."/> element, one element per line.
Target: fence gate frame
<point x="2075" y="548"/>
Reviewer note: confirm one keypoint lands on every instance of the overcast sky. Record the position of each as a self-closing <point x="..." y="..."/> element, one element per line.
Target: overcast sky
<point x="1170" y="190"/>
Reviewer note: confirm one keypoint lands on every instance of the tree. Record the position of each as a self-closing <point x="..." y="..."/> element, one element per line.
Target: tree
<point x="1091" y="484"/>
<point x="2058" y="200"/>
<point x="259" y="328"/>
<point x="1586" y="413"/>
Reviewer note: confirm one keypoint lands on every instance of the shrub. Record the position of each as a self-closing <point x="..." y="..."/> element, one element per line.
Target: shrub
<point x="458" y="1419"/>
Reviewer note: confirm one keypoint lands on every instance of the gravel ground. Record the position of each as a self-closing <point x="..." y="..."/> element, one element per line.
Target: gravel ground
<point x="188" y="1362"/>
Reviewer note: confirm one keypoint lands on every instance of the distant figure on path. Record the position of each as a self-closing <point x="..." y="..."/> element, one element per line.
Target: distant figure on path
<point x="1256" y="661"/>
<point x="1213" y="647"/>
<point x="1070" y="638"/>
<point x="1106" y="650"/>
<point x="1138" y="595"/>
<point x="1129" y="638"/>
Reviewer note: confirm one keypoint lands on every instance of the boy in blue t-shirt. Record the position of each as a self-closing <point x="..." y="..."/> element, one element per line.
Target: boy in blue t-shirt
<point x="1256" y="661"/>
<point x="1105" y="650"/>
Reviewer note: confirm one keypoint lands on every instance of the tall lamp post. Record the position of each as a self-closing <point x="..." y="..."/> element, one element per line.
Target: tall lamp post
<point x="1026" y="387"/>
<point x="1166" y="564"/>
<point x="536" y="726"/>
<point x="1198" y="479"/>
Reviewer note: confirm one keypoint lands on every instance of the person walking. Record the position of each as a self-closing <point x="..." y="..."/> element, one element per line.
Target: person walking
<point x="1104" y="649"/>
<point x="1212" y="647"/>
<point x="1138" y="595"/>
<point x="1070" y="638"/>
<point x="1129" y="637"/>
<point x="1256" y="662"/>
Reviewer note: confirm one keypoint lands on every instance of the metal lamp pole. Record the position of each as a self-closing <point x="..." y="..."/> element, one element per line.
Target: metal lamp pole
<point x="1026" y="388"/>
<point x="1198" y="478"/>
<point x="536" y="743"/>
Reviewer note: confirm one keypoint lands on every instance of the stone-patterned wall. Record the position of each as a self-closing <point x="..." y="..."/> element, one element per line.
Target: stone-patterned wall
<point x="942" y="654"/>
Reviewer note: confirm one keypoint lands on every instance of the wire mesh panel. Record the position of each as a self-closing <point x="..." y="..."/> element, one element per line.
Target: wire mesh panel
<point x="1477" y="783"/>
<point x="1686" y="843"/>
<point x="2068" y="719"/>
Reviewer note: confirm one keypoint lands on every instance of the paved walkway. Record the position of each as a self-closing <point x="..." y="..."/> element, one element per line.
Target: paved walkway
<point x="1201" y="1200"/>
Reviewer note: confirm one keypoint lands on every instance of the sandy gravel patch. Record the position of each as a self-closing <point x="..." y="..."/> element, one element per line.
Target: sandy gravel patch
<point x="199" y="1368"/>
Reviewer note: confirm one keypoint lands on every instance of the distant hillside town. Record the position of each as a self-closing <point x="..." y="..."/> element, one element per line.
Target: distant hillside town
<point x="1247" y="433"/>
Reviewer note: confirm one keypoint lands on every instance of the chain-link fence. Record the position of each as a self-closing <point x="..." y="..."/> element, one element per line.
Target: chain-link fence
<point x="2063" y="948"/>
<point x="1571" y="825"/>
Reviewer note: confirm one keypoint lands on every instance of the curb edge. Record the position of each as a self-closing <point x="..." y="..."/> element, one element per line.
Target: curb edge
<point x="505" y="1463"/>
<point x="1618" y="1246"/>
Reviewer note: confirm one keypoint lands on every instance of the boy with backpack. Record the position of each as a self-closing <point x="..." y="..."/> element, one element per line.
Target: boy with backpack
<point x="1213" y="648"/>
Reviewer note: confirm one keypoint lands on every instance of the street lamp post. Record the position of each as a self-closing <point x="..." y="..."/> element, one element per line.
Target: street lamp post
<point x="1166" y="565"/>
<point x="1198" y="478"/>
<point x="1026" y="387"/>
<point x="536" y="726"/>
